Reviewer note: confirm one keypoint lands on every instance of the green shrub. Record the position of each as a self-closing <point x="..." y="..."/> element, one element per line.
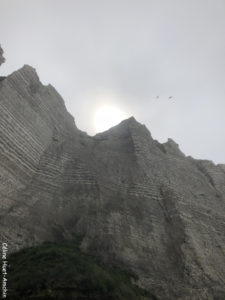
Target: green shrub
<point x="54" y="271"/>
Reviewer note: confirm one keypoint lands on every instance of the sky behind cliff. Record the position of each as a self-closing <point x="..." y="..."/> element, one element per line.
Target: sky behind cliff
<point x="127" y="52"/>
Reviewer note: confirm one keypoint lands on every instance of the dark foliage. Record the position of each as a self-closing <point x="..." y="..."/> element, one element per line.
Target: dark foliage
<point x="54" y="271"/>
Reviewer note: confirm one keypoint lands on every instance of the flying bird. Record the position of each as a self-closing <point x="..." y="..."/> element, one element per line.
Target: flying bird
<point x="170" y="97"/>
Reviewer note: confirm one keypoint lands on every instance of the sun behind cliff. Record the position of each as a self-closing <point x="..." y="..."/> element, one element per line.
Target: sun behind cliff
<point x="107" y="116"/>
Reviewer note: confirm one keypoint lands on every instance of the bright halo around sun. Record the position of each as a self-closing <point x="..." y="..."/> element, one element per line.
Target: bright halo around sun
<point x="107" y="116"/>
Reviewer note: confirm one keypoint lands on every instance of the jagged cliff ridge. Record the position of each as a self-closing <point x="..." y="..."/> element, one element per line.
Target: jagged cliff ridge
<point x="2" y="60"/>
<point x="138" y="203"/>
<point x="1" y="56"/>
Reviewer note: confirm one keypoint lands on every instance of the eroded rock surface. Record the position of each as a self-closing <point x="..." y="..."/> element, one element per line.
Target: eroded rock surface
<point x="138" y="203"/>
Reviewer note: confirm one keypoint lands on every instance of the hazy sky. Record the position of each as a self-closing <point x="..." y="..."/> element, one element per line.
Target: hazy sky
<point x="127" y="52"/>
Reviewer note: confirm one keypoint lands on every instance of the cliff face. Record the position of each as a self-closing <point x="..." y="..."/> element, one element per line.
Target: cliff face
<point x="138" y="203"/>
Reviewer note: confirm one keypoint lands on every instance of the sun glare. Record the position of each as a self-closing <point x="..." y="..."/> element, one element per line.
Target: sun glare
<point x="107" y="116"/>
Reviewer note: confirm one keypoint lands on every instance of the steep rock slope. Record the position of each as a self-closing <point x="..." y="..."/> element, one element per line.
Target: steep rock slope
<point x="138" y="203"/>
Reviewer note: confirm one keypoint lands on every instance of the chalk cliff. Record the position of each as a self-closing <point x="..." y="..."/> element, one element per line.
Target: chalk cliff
<point x="138" y="203"/>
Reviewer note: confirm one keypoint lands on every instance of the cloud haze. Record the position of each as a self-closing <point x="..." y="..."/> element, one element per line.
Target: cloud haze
<point x="128" y="52"/>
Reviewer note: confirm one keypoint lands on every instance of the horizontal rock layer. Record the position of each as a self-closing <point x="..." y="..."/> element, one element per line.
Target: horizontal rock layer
<point x="138" y="203"/>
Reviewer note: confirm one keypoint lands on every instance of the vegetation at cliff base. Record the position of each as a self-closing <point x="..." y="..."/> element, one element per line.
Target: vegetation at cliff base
<point x="56" y="271"/>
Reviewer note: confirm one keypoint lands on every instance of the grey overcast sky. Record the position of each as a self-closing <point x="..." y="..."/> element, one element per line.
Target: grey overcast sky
<point x="127" y="52"/>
